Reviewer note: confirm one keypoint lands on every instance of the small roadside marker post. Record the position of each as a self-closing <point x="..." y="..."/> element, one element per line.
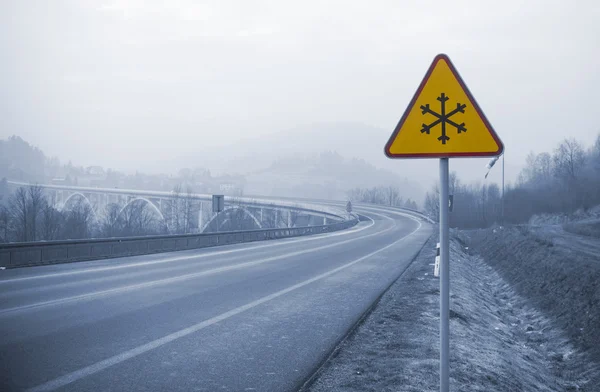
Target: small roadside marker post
<point x="436" y="267"/>
<point x="463" y="131"/>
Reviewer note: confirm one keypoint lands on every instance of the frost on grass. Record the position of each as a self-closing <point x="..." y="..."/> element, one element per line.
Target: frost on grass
<point x="498" y="341"/>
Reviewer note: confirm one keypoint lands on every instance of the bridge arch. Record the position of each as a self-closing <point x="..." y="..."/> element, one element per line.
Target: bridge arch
<point x="148" y="202"/>
<point x="85" y="199"/>
<point x="246" y="212"/>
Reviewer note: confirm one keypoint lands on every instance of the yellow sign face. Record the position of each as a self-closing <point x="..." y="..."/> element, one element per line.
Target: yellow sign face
<point x="443" y="120"/>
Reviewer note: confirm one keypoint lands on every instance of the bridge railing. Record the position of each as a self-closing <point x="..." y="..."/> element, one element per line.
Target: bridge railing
<point x="411" y="211"/>
<point x="54" y="252"/>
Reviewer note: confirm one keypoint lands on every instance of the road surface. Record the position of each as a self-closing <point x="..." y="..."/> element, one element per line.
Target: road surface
<point x="246" y="317"/>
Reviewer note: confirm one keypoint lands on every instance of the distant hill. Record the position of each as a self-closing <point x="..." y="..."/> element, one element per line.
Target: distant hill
<point x="21" y="161"/>
<point x="350" y="140"/>
<point x="324" y="175"/>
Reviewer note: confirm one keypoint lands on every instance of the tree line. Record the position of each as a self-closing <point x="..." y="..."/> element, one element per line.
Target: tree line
<point x="563" y="181"/>
<point x="384" y="195"/>
<point x="29" y="214"/>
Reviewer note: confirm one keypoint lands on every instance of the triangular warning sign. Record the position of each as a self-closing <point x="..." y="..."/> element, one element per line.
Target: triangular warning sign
<point x="443" y="120"/>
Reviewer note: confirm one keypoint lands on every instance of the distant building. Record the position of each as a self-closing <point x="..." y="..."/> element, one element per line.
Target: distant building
<point x="230" y="189"/>
<point x="95" y="171"/>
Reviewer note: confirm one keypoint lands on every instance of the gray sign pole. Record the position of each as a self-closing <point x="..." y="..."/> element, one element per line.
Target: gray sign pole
<point x="444" y="280"/>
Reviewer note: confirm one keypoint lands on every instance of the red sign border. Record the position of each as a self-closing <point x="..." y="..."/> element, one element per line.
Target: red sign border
<point x="412" y="103"/>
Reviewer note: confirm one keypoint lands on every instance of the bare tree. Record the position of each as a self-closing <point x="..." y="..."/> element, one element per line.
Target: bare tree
<point x="482" y="203"/>
<point x="188" y="210"/>
<point x="392" y="194"/>
<point x="4" y="224"/>
<point x="569" y="161"/>
<point x="51" y="223"/>
<point x="237" y="216"/>
<point x="595" y="154"/>
<point x="174" y="210"/>
<point x="543" y="165"/>
<point x="37" y="203"/>
<point x="527" y="175"/>
<point x="569" y="158"/>
<point x="389" y="195"/>
<point x="19" y="211"/>
<point x="112" y="224"/>
<point x="78" y="220"/>
<point x="294" y="216"/>
<point x="454" y="183"/>
<point x="411" y="204"/>
<point x="494" y="202"/>
<point x="270" y="217"/>
<point x="206" y="216"/>
<point x="432" y="203"/>
<point x="139" y="219"/>
<point x="559" y="183"/>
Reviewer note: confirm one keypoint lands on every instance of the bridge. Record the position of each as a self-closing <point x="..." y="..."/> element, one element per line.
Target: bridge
<point x="258" y="213"/>
<point x="223" y="312"/>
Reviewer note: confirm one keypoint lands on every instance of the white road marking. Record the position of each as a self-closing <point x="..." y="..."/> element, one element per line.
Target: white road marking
<point x="122" y="289"/>
<point x="181" y="258"/>
<point x="124" y="356"/>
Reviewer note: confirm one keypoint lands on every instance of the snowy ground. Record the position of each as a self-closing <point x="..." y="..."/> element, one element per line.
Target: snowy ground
<point x="499" y="341"/>
<point x="554" y="219"/>
<point x="558" y="272"/>
<point x="588" y="227"/>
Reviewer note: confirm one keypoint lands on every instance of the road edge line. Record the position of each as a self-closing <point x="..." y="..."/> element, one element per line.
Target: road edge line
<point x="360" y="321"/>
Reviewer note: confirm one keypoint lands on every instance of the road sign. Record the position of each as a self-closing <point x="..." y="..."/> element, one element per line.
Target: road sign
<point x="443" y="120"/>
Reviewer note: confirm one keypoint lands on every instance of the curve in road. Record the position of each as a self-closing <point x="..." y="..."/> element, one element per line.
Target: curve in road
<point x="239" y="318"/>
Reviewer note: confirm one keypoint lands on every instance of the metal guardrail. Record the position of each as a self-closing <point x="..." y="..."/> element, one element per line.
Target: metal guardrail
<point x="357" y="204"/>
<point x="416" y="213"/>
<point x="54" y="252"/>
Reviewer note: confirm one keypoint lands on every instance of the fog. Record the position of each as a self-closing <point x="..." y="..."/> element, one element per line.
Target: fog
<point x="157" y="86"/>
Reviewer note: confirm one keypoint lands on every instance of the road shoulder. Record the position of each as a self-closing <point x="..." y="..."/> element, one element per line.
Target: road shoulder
<point x="499" y="342"/>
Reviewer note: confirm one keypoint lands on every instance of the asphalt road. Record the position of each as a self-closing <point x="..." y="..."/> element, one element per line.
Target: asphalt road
<point x="246" y="317"/>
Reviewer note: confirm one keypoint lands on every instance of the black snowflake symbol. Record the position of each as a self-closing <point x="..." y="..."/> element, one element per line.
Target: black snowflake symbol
<point x="443" y="118"/>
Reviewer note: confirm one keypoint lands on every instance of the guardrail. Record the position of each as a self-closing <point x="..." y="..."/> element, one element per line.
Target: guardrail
<point x="416" y="213"/>
<point x="340" y="205"/>
<point x="54" y="252"/>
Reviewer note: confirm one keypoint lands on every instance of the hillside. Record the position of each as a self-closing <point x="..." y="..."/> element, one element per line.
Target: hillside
<point x="350" y="140"/>
<point x="324" y="175"/>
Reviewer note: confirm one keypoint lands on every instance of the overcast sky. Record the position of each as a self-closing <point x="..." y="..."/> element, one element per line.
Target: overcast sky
<point x="121" y="83"/>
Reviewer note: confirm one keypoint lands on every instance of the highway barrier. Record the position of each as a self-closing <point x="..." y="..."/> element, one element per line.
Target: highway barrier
<point x="54" y="252"/>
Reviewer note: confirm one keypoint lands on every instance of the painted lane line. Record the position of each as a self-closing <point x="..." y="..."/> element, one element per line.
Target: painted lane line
<point x="135" y="352"/>
<point x="96" y="294"/>
<point x="181" y="258"/>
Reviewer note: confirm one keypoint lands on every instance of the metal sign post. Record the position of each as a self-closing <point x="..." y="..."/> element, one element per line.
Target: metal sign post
<point x="218" y="205"/>
<point x="444" y="279"/>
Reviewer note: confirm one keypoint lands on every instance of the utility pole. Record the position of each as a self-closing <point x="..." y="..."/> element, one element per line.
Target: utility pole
<point x="489" y="166"/>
